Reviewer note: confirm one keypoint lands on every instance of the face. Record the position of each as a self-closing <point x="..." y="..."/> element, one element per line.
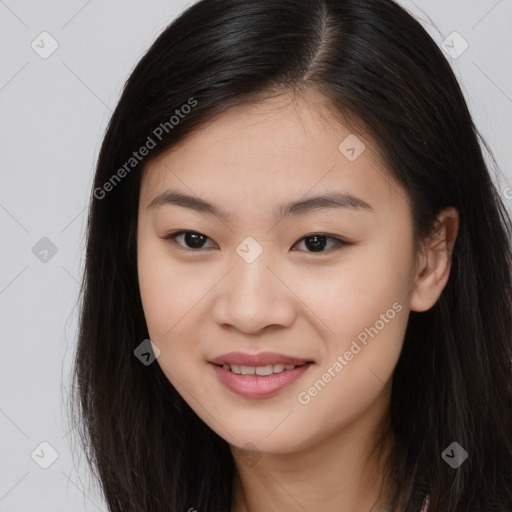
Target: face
<point x="327" y="283"/>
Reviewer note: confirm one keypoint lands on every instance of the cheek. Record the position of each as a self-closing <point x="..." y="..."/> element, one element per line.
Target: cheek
<point x="366" y="311"/>
<point x="363" y="306"/>
<point x="166" y="291"/>
<point x="365" y="317"/>
<point x="355" y="293"/>
<point x="166" y="294"/>
<point x="172" y="302"/>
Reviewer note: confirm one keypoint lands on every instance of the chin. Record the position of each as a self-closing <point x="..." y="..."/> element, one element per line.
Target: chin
<point x="278" y="437"/>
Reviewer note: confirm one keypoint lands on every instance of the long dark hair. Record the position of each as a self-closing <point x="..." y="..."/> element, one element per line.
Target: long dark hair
<point x="384" y="76"/>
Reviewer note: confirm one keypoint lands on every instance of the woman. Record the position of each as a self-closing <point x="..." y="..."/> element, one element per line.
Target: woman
<point x="297" y="293"/>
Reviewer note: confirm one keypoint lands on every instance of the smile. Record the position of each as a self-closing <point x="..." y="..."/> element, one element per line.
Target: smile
<point x="258" y="370"/>
<point x="258" y="381"/>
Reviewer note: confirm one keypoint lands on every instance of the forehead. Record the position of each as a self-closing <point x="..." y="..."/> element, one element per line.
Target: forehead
<point x="275" y="150"/>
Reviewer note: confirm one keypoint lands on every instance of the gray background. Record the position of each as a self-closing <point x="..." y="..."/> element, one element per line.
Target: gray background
<point x="53" y="114"/>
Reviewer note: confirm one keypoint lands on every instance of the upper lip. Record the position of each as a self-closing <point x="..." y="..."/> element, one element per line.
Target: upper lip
<point x="261" y="359"/>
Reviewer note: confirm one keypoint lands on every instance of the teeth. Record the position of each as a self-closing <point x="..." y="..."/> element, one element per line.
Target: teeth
<point x="265" y="370"/>
<point x="247" y="370"/>
<point x="258" y="370"/>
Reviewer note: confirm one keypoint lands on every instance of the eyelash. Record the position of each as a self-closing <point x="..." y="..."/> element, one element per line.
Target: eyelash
<point x="171" y="237"/>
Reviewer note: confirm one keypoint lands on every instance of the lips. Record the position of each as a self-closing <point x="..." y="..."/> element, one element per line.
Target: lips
<point x="261" y="359"/>
<point x="257" y="386"/>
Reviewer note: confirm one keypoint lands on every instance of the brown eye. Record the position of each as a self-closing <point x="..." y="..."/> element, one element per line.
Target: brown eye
<point x="318" y="241"/>
<point x="192" y="239"/>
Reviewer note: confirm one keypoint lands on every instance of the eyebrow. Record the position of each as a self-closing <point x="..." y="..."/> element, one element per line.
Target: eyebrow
<point x="324" y="201"/>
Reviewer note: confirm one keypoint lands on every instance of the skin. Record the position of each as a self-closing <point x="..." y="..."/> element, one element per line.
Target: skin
<point x="200" y="303"/>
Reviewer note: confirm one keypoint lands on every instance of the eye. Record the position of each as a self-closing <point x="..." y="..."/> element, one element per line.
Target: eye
<point x="195" y="239"/>
<point x="315" y="242"/>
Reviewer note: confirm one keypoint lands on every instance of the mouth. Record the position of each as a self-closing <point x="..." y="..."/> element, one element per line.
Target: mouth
<point x="261" y="371"/>
<point x="258" y="381"/>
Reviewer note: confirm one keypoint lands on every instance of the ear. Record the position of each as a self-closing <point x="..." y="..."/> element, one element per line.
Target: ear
<point x="434" y="262"/>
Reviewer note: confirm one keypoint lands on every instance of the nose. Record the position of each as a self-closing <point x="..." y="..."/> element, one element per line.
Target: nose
<point x="253" y="297"/>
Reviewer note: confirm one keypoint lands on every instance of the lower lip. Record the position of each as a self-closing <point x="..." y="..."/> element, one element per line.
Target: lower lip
<point x="253" y="386"/>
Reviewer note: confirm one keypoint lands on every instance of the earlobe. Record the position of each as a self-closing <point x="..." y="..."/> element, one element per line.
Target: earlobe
<point x="434" y="262"/>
